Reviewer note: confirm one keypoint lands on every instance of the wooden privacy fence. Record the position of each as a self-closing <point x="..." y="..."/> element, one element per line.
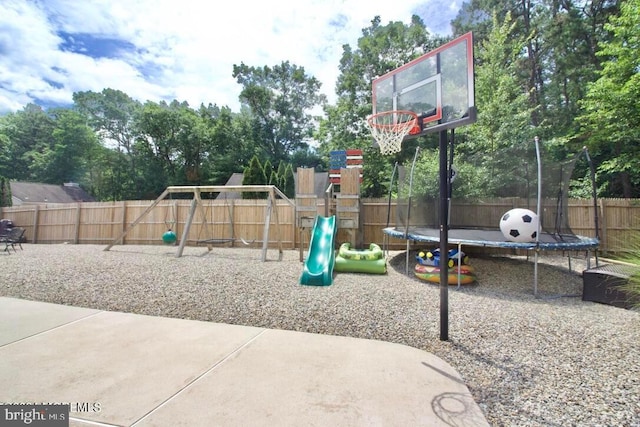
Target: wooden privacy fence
<point x="238" y="219"/>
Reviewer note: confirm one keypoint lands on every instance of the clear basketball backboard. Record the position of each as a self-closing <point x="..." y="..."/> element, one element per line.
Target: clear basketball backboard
<point x="437" y="87"/>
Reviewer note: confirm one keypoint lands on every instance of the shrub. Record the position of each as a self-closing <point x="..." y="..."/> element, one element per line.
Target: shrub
<point x="632" y="287"/>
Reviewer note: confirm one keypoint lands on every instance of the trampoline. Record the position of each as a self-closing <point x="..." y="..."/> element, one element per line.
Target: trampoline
<point x="417" y="209"/>
<point x="495" y="239"/>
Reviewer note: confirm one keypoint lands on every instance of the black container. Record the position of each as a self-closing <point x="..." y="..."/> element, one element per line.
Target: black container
<point x="602" y="284"/>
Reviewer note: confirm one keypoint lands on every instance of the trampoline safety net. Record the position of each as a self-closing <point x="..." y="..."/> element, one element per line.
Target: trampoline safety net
<point x="483" y="191"/>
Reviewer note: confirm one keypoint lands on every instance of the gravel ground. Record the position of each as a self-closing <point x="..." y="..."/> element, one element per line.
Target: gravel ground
<point x="554" y="360"/>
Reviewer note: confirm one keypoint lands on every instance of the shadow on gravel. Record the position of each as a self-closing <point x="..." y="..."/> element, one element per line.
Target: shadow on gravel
<point x="517" y="379"/>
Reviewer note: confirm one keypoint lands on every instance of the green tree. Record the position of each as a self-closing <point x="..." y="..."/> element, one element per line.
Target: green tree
<point x="282" y="167"/>
<point x="26" y="134"/>
<point x="66" y="156"/>
<point x="280" y="99"/>
<point x="566" y="38"/>
<point x="5" y="192"/>
<point x="309" y="158"/>
<point x="104" y="181"/>
<point x="5" y="148"/>
<point x="558" y="55"/>
<point x="111" y="114"/>
<point x="503" y="127"/>
<point x="269" y="173"/>
<point x="381" y="49"/>
<point x="254" y="175"/>
<point x="470" y="181"/>
<point x="232" y="144"/>
<point x="611" y="110"/>
<point x="504" y="112"/>
<point x="176" y="140"/>
<point x="273" y="178"/>
<point x="479" y="16"/>
<point x="288" y="182"/>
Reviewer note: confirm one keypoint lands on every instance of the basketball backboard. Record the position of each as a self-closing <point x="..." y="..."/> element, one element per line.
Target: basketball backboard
<point x="437" y="86"/>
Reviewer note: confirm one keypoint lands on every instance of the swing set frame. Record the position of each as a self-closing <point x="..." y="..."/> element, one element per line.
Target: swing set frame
<point x="198" y="205"/>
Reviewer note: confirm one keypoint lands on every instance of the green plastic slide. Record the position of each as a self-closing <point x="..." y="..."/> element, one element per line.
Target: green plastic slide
<point x="318" y="267"/>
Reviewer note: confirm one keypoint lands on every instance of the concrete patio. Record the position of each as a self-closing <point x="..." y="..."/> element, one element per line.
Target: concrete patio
<point x="132" y="370"/>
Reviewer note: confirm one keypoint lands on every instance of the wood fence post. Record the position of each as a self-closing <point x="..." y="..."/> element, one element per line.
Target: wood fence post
<point x="76" y="231"/>
<point x="603" y="225"/>
<point x="36" y="212"/>
<point x="123" y="222"/>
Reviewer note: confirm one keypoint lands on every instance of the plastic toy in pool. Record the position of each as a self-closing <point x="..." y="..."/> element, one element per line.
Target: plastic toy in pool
<point x="428" y="267"/>
<point x="432" y="258"/>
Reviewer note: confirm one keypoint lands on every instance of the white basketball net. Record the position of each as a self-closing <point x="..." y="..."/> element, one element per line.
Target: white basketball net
<point x="389" y="129"/>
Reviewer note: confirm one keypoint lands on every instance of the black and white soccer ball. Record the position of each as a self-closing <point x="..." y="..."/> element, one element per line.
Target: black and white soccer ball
<point x="519" y="225"/>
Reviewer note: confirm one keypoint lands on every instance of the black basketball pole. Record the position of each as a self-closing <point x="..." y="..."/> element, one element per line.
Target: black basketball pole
<point x="444" y="238"/>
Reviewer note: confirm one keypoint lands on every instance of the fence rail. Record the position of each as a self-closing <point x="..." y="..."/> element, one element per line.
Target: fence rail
<point x="243" y="220"/>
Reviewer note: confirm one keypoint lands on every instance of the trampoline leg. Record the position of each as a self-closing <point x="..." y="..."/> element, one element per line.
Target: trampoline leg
<point x="535" y="275"/>
<point x="569" y="258"/>
<point x="406" y="265"/>
<point x="459" y="264"/>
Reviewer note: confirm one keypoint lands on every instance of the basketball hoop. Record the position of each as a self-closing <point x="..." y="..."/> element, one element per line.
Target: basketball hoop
<point x="389" y="128"/>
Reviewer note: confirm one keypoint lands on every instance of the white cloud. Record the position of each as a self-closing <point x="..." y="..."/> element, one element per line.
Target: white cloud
<point x="187" y="48"/>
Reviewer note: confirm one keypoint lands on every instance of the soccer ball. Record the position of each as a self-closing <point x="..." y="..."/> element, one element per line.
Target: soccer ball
<point x="519" y="225"/>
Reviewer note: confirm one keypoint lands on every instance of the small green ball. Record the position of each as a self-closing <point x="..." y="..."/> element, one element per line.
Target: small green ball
<point x="169" y="237"/>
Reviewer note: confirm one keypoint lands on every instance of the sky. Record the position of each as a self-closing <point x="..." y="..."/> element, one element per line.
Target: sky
<point x="167" y="49"/>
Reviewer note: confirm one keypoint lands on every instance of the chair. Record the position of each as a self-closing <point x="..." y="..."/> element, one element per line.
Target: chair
<point x="14" y="238"/>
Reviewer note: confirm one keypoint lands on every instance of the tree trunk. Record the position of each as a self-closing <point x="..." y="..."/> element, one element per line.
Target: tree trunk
<point x="627" y="188"/>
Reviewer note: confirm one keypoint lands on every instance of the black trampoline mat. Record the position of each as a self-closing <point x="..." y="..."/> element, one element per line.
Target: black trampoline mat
<point x="494" y="238"/>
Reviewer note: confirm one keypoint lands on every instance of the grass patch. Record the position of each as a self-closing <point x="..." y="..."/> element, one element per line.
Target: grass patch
<point x="632" y="287"/>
